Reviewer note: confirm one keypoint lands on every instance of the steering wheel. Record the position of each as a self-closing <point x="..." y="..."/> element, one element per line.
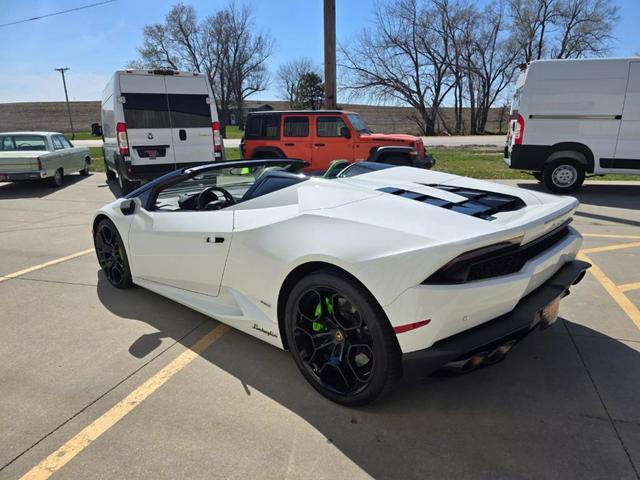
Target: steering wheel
<point x="207" y="196"/>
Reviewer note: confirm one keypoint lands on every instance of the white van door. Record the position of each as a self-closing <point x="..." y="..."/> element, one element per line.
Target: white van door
<point x="627" y="154"/>
<point x="147" y="119"/>
<point x="191" y="119"/>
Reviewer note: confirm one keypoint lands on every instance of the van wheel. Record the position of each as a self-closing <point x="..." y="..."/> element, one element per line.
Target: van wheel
<point x="126" y="186"/>
<point x="111" y="175"/>
<point x="563" y="175"/>
<point x="56" y="180"/>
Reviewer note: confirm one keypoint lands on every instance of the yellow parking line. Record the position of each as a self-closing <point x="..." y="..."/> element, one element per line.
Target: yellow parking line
<point x="607" y="235"/>
<point x="629" y="286"/>
<point x="607" y="248"/>
<point x="19" y="273"/>
<point x="89" y="434"/>
<point x="620" y="298"/>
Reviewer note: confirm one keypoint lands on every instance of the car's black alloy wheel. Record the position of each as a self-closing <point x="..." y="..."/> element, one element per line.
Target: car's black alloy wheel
<point x="340" y="339"/>
<point x="112" y="255"/>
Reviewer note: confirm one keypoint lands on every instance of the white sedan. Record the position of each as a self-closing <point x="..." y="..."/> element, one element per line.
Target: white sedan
<point x="378" y="272"/>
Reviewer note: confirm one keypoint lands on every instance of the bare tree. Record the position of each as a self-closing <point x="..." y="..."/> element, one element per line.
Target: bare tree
<point x="491" y="63"/>
<point x="223" y="46"/>
<point x="403" y="58"/>
<point x="584" y="28"/>
<point x="289" y="74"/>
<point x="563" y="28"/>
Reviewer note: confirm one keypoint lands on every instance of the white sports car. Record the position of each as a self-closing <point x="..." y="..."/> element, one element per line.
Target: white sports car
<point x="378" y="272"/>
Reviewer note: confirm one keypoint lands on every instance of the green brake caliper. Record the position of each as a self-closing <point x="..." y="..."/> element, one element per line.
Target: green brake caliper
<point x="319" y="326"/>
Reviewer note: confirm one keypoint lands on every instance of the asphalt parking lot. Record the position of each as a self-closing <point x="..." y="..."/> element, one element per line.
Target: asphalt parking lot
<point x="101" y="383"/>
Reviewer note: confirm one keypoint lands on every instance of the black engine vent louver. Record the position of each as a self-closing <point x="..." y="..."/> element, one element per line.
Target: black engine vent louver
<point x="479" y="203"/>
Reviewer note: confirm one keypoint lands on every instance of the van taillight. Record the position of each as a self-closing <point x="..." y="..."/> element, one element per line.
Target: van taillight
<point x="123" y="141"/>
<point x="518" y="130"/>
<point x="217" y="139"/>
<point x="39" y="163"/>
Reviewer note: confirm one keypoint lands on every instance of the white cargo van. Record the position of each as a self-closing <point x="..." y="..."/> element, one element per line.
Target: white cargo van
<point x="155" y="121"/>
<point x="570" y="118"/>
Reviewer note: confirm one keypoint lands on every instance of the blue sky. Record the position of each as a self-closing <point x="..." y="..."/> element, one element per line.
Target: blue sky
<point x="97" y="41"/>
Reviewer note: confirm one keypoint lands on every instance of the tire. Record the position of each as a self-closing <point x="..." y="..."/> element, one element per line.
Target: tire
<point x="538" y="176"/>
<point x="126" y="186"/>
<point x="563" y="175"/>
<point x="85" y="171"/>
<point x="112" y="255"/>
<point x="57" y="179"/>
<point x="351" y="359"/>
<point x="111" y="175"/>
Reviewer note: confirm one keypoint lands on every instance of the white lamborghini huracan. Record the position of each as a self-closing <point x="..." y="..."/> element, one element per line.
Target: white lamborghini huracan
<point x="379" y="272"/>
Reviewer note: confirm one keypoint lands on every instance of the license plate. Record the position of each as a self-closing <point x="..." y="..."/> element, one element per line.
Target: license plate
<point x="152" y="154"/>
<point x="549" y="313"/>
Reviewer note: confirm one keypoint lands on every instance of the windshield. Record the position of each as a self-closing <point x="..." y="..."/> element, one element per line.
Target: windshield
<point x="227" y="186"/>
<point x="358" y="123"/>
<point x="10" y="143"/>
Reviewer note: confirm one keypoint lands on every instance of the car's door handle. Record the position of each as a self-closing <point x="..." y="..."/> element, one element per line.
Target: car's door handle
<point x="182" y="134"/>
<point x="214" y="239"/>
<point x="318" y="144"/>
<point x="288" y="144"/>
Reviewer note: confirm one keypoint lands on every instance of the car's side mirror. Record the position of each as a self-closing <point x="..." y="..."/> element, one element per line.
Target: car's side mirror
<point x="345" y="132"/>
<point x="96" y="130"/>
<point x="128" y="207"/>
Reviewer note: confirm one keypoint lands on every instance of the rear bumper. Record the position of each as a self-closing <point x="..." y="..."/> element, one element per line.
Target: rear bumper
<point x="515" y="325"/>
<point x="150" y="171"/>
<point x="20" y="176"/>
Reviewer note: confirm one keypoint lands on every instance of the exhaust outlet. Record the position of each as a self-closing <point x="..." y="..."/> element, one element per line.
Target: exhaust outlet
<point x="474" y="362"/>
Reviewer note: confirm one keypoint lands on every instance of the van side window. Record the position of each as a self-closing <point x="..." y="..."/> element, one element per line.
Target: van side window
<point x="296" y="127"/>
<point x="329" y="126"/>
<point x="189" y="111"/>
<point x="262" y="126"/>
<point x="146" y="110"/>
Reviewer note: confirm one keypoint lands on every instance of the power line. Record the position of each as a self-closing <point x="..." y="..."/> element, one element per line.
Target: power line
<point x="56" y="13"/>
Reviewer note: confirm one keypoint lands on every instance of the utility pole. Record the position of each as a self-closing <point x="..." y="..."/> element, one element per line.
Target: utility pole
<point x="66" y="96"/>
<point x="330" y="55"/>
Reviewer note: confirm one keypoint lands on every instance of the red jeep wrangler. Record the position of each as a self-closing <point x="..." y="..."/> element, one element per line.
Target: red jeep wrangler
<point x="321" y="136"/>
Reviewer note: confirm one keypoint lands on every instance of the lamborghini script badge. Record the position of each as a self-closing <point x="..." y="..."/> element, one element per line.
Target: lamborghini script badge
<point x="269" y="333"/>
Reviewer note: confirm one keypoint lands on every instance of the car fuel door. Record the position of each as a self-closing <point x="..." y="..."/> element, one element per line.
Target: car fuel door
<point x="181" y="249"/>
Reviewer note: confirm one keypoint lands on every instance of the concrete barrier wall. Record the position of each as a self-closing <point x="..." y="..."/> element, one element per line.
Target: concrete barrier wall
<point x="52" y="116"/>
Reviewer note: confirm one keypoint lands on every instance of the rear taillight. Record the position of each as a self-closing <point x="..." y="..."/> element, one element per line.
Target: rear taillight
<point x="217" y="139"/>
<point x="123" y="141"/>
<point x="518" y="130"/>
<point x="39" y="163"/>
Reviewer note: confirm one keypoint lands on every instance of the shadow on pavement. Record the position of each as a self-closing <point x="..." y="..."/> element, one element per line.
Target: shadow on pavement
<point x="36" y="188"/>
<point x="536" y="415"/>
<point x="615" y="195"/>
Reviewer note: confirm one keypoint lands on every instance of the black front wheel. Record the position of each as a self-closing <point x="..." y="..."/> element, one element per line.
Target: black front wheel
<point x="341" y="339"/>
<point x="112" y="255"/>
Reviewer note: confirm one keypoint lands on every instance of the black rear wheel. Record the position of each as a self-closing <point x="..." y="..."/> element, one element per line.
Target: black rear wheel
<point x="340" y="339"/>
<point x="112" y="255"/>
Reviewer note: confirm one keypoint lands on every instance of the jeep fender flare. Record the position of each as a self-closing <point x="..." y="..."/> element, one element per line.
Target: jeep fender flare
<point x="381" y="153"/>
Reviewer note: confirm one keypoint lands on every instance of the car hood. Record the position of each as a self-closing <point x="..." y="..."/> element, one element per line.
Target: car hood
<point x="365" y="199"/>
